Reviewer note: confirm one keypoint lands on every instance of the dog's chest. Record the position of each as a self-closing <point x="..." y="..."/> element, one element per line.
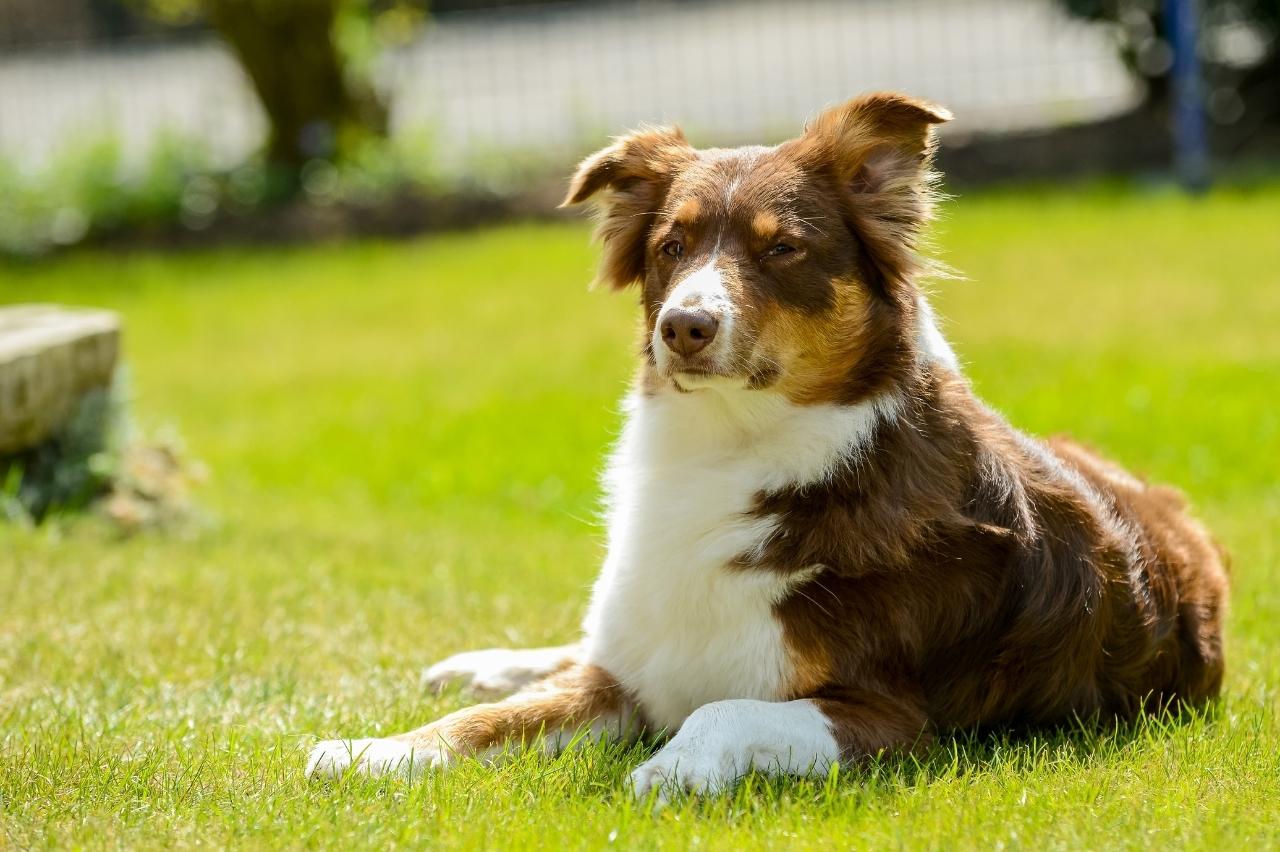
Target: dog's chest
<point x="672" y="616"/>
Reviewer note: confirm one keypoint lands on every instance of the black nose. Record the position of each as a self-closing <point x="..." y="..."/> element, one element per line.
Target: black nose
<point x="688" y="331"/>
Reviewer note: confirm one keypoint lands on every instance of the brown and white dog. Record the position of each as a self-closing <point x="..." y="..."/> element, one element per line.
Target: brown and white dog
<point x="821" y="544"/>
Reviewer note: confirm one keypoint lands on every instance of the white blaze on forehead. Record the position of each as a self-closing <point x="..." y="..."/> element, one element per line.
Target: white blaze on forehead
<point x="747" y="160"/>
<point x="730" y="190"/>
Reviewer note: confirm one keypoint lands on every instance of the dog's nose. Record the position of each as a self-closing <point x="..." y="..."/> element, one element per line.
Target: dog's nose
<point x="687" y="331"/>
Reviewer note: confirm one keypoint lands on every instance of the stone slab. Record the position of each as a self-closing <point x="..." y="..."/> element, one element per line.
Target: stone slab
<point x="50" y="356"/>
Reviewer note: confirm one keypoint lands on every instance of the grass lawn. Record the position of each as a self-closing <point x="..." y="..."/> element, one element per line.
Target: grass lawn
<point x="404" y="440"/>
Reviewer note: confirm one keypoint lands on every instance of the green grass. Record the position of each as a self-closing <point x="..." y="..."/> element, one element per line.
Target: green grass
<point x="404" y="440"/>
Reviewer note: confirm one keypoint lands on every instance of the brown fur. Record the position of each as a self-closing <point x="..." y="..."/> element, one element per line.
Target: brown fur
<point x="994" y="579"/>
<point x="571" y="698"/>
<point x="637" y="172"/>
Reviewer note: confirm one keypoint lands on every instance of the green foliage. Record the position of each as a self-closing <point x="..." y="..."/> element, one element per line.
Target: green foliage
<point x="364" y="29"/>
<point x="89" y="190"/>
<point x="70" y="469"/>
<point x="100" y="460"/>
<point x="406" y="438"/>
<point x="170" y="12"/>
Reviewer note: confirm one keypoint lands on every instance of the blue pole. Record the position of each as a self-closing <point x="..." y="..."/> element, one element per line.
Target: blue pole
<point x="1190" y="132"/>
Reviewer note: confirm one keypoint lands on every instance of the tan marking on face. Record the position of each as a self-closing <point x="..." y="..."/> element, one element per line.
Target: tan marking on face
<point x="816" y="352"/>
<point x="688" y="210"/>
<point x="765" y="224"/>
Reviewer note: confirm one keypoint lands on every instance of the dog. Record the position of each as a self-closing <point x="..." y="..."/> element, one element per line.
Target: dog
<point x="822" y="546"/>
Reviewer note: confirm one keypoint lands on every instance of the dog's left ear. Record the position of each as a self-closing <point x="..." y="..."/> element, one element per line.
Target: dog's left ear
<point x="879" y="149"/>
<point x="633" y="176"/>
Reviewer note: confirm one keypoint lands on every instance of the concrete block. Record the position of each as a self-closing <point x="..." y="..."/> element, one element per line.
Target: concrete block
<point x="50" y="356"/>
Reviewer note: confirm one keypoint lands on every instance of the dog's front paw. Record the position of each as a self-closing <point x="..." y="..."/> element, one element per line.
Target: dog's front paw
<point x="497" y="671"/>
<point x="692" y="767"/>
<point x="334" y="758"/>
<point x="723" y="741"/>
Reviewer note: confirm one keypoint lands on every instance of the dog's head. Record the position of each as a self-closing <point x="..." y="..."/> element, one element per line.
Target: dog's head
<point x="790" y="268"/>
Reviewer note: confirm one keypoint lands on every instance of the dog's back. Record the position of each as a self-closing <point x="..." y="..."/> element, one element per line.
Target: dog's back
<point x="1178" y="581"/>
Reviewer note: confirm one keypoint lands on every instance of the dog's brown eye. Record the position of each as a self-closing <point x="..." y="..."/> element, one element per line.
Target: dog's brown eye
<point x="780" y="248"/>
<point x="674" y="248"/>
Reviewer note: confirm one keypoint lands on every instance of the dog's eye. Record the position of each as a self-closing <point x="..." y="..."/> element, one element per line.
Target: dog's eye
<point x="779" y="249"/>
<point x="675" y="248"/>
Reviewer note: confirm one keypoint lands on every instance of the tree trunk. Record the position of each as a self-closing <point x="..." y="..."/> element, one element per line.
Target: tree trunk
<point x="287" y="49"/>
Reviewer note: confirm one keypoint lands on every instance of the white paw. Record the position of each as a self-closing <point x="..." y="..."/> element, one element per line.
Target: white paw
<point x="334" y="758"/>
<point x="683" y="767"/>
<point x="497" y="671"/>
<point x="723" y="741"/>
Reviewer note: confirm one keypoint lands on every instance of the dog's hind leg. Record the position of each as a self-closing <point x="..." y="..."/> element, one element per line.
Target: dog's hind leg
<point x="496" y="672"/>
<point x="581" y="703"/>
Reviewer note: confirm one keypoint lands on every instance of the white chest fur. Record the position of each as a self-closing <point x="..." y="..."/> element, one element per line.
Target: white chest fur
<point x="670" y="618"/>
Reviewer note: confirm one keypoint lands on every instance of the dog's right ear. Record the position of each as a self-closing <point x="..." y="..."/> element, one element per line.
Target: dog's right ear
<point x="634" y="175"/>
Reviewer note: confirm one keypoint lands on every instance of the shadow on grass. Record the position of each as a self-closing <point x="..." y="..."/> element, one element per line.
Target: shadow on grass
<point x="596" y="774"/>
<point x="1024" y="747"/>
<point x="1010" y="753"/>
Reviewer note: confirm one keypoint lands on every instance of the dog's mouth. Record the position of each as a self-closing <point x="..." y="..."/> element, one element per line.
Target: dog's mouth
<point x="689" y="370"/>
<point x="692" y="379"/>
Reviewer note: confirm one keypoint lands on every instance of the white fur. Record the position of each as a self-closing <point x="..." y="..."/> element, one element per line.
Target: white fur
<point x="498" y="671"/>
<point x="932" y="346"/>
<point x="723" y="741"/>
<point x="670" y="618"/>
<point x="333" y="758"/>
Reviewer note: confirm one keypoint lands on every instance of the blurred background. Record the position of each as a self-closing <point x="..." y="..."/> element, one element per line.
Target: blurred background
<point x="196" y="121"/>
<point x="266" y="453"/>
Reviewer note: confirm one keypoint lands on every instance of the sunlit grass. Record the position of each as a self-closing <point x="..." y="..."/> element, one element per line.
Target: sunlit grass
<point x="404" y="440"/>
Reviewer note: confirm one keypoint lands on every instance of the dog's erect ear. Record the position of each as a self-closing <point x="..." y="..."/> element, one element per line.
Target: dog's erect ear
<point x="634" y="174"/>
<point x="879" y="147"/>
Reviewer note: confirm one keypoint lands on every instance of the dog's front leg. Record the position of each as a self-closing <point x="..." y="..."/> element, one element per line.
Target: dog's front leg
<point x="582" y="701"/>
<point x="722" y="741"/>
